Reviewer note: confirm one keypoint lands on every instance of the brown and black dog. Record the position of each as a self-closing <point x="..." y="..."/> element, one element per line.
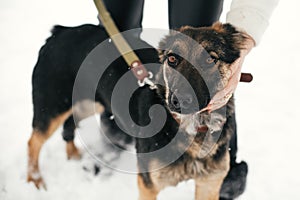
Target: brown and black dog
<point x="201" y="57"/>
<point x="194" y="65"/>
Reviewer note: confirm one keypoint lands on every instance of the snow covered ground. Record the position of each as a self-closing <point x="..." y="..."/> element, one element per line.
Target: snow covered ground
<point x="268" y="109"/>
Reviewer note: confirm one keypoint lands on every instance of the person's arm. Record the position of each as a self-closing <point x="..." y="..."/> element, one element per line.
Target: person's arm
<point x="251" y="17"/>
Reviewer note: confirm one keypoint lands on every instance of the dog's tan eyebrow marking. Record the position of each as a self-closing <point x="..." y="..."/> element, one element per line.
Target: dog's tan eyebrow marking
<point x="197" y="52"/>
<point x="169" y="52"/>
<point x="213" y="54"/>
<point x="180" y="48"/>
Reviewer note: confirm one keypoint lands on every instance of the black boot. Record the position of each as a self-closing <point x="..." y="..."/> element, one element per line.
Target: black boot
<point x="235" y="181"/>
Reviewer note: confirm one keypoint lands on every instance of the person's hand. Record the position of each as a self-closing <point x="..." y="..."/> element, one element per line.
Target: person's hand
<point x="223" y="96"/>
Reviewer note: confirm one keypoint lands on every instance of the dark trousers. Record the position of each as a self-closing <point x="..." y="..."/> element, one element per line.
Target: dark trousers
<point x="128" y="14"/>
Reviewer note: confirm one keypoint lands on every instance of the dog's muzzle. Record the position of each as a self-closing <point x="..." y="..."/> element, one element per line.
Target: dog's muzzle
<point x="182" y="103"/>
<point x="200" y="122"/>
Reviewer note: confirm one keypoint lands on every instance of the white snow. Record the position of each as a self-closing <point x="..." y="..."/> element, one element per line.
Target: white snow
<point x="268" y="109"/>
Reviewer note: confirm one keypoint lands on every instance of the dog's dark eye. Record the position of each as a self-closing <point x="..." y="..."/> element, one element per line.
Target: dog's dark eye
<point x="210" y="60"/>
<point x="172" y="60"/>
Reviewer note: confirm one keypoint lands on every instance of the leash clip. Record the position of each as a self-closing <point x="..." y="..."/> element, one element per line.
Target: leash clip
<point x="142" y="74"/>
<point x="148" y="81"/>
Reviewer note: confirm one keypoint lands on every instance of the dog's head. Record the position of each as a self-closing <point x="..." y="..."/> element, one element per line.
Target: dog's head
<point x="195" y="65"/>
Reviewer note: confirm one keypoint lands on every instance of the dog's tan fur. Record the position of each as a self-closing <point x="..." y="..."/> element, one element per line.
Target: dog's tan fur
<point x="72" y="151"/>
<point x="35" y="144"/>
<point x="80" y="110"/>
<point x="145" y="192"/>
<point x="207" y="183"/>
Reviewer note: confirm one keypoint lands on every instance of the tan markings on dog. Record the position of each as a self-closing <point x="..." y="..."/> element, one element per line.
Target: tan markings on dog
<point x="174" y="174"/>
<point x="198" y="149"/>
<point x="177" y="117"/>
<point x="213" y="54"/>
<point x="208" y="187"/>
<point x="218" y="26"/>
<point x="35" y="144"/>
<point x="167" y="176"/>
<point x="180" y="48"/>
<point x="207" y="169"/>
<point x="72" y="151"/>
<point x="194" y="150"/>
<point x="146" y="193"/>
<point x="183" y="28"/>
<point x="86" y="108"/>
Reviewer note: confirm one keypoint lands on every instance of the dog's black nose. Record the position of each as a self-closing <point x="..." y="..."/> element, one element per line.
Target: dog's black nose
<point x="181" y="101"/>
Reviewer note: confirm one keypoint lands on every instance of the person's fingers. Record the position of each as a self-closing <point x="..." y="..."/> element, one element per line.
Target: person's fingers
<point x="221" y="98"/>
<point x="216" y="104"/>
<point x="235" y="65"/>
<point x="235" y="77"/>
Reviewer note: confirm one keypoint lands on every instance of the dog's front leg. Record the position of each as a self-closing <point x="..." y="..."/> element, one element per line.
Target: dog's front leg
<point x="208" y="189"/>
<point x="145" y="192"/>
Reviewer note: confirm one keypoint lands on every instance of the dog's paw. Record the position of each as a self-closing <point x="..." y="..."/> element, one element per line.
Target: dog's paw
<point x="37" y="180"/>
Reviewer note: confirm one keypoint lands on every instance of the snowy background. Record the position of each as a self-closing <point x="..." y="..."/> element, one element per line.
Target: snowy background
<point x="268" y="108"/>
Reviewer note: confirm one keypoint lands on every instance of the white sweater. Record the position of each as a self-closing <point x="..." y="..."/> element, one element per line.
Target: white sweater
<point x="251" y="16"/>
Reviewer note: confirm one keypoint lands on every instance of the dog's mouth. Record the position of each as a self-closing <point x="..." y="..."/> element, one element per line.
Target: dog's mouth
<point x="200" y="122"/>
<point x="192" y="123"/>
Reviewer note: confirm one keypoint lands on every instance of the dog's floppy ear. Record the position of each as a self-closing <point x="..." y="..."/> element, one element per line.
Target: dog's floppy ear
<point x="224" y="28"/>
<point x="234" y="36"/>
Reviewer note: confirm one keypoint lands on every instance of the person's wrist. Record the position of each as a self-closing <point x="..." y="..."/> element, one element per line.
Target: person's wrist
<point x="248" y="44"/>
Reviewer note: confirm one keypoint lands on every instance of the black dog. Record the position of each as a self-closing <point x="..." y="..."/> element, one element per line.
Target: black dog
<point x="54" y="83"/>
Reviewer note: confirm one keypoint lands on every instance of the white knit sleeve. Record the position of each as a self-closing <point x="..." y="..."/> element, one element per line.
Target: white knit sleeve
<point x="251" y="16"/>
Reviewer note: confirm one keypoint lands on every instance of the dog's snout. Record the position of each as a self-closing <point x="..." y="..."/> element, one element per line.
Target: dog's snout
<point x="181" y="101"/>
<point x="175" y="102"/>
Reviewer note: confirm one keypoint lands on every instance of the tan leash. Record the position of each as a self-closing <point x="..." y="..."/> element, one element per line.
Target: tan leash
<point x="132" y="60"/>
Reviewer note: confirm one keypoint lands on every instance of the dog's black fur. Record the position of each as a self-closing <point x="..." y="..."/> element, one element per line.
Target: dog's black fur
<point x="53" y="80"/>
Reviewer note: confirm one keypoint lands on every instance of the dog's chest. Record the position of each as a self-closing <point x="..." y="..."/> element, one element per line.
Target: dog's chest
<point x="189" y="167"/>
<point x="183" y="171"/>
